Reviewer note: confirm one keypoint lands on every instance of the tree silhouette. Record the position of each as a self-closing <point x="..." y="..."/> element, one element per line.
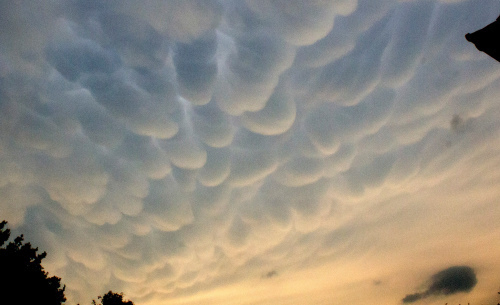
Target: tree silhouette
<point x="112" y="298"/>
<point x="22" y="277"/>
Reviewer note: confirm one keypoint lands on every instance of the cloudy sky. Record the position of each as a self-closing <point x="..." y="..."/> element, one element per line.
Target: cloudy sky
<point x="252" y="152"/>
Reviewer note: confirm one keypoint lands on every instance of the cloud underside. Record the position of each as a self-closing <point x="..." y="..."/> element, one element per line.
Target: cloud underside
<point x="165" y="146"/>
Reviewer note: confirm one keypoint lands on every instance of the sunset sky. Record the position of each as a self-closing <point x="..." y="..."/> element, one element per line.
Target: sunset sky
<point x="253" y="152"/>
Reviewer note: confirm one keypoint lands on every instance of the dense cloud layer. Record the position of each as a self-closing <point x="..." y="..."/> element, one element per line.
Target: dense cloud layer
<point x="164" y="147"/>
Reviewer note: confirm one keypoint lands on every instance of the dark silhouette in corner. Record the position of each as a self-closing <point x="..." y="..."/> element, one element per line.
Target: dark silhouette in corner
<point x="112" y="298"/>
<point x="24" y="281"/>
<point x="22" y="277"/>
<point x="487" y="39"/>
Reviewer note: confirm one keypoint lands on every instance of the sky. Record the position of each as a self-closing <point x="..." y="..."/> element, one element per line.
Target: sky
<point x="254" y="152"/>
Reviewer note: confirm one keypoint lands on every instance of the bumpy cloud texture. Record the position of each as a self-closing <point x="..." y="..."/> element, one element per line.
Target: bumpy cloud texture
<point x="171" y="148"/>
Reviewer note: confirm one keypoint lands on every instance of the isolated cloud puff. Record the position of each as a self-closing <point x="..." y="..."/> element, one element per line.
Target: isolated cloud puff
<point x="452" y="280"/>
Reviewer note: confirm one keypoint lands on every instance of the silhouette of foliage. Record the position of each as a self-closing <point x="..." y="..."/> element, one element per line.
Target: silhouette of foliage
<point x="112" y="298"/>
<point x="22" y="278"/>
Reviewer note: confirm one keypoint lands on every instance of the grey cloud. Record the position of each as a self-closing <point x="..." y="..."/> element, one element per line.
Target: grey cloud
<point x="365" y="16"/>
<point x="413" y="298"/>
<point x="452" y="280"/>
<point x="127" y="92"/>
<point x="129" y="175"/>
<point x="479" y="80"/>
<point x="299" y="171"/>
<point x="329" y="125"/>
<point x="144" y="113"/>
<point x="184" y="150"/>
<point x="138" y="43"/>
<point x="300" y="144"/>
<point x="238" y="233"/>
<point x="306" y="200"/>
<point x="278" y="211"/>
<point x="185" y="178"/>
<point x="212" y="126"/>
<point x="42" y="22"/>
<point x="159" y="83"/>
<point x="327" y="50"/>
<point x="250" y="167"/>
<point x="83" y="6"/>
<point x="457" y="123"/>
<point x="76" y="181"/>
<point x="320" y="130"/>
<point x="97" y="124"/>
<point x="73" y="58"/>
<point x="408" y="40"/>
<point x="39" y="133"/>
<point x="280" y="207"/>
<point x="270" y="274"/>
<point x="180" y="20"/>
<point x="249" y="76"/>
<point x="372" y="174"/>
<point x="430" y="89"/>
<point x="17" y="199"/>
<point x="166" y="206"/>
<point x="184" y="143"/>
<point x="258" y="57"/>
<point x="340" y="161"/>
<point x="449" y="16"/>
<point x="211" y="200"/>
<point x="302" y="23"/>
<point x="276" y="117"/>
<point x="217" y="167"/>
<point x="342" y="39"/>
<point x="350" y="79"/>
<point x="196" y="68"/>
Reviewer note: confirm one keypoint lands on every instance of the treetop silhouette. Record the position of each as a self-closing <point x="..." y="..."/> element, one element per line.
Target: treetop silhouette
<point x="112" y="298"/>
<point x="23" y="279"/>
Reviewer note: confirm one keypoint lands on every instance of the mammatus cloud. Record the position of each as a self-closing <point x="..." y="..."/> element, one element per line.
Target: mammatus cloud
<point x="448" y="281"/>
<point x="173" y="148"/>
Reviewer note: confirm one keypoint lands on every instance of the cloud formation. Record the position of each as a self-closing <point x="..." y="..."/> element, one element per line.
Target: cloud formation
<point x="173" y="148"/>
<point x="448" y="281"/>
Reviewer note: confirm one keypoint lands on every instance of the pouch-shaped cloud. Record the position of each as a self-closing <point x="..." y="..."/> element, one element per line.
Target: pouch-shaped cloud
<point x="181" y="20"/>
<point x="448" y="281"/>
<point x="217" y="167"/>
<point x="406" y="46"/>
<point x="328" y="125"/>
<point x="275" y="118"/>
<point x="299" y="172"/>
<point x="192" y="146"/>
<point x="250" y="77"/>
<point x="73" y="58"/>
<point x="212" y="126"/>
<point x="300" y="22"/>
<point x="128" y="100"/>
<point x="138" y="43"/>
<point x="196" y="68"/>
<point x="250" y="167"/>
